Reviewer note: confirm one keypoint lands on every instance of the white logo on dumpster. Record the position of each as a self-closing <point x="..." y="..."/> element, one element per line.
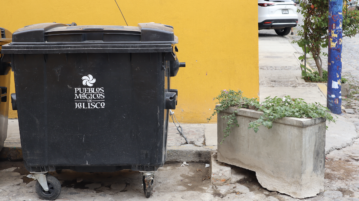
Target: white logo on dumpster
<point x="88" y="80"/>
<point x="88" y="97"/>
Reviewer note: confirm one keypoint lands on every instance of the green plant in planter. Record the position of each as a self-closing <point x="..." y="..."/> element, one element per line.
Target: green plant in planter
<point x="228" y="99"/>
<point x="272" y="108"/>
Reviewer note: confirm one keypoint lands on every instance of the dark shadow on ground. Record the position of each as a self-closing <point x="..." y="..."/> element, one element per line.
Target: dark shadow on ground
<point x="268" y="35"/>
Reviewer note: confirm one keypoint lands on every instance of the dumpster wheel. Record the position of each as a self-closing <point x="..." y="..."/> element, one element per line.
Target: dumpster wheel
<point x="54" y="189"/>
<point x="147" y="180"/>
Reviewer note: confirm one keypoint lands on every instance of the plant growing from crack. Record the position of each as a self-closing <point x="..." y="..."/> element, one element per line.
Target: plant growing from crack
<point x="272" y="109"/>
<point x="313" y="76"/>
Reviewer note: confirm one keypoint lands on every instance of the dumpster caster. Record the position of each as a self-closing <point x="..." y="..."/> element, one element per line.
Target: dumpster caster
<point x="147" y="180"/>
<point x="47" y="186"/>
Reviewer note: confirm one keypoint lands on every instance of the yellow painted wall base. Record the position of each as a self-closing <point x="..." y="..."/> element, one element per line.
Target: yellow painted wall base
<point x="217" y="40"/>
<point x="4" y="82"/>
<point x="12" y="113"/>
<point x="7" y="80"/>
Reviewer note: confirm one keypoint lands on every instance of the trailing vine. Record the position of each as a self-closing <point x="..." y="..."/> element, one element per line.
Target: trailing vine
<point x="272" y="108"/>
<point x="228" y="99"/>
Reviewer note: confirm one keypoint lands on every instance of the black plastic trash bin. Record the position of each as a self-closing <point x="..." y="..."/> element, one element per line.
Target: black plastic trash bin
<point x="5" y="37"/>
<point x="93" y="98"/>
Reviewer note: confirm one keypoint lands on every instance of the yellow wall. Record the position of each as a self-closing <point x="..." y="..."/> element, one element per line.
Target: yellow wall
<point x="7" y="81"/>
<point x="4" y="82"/>
<point x="218" y="40"/>
<point x="12" y="113"/>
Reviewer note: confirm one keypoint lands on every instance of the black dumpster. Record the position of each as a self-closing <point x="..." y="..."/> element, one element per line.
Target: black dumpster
<point x="93" y="98"/>
<point x="5" y="37"/>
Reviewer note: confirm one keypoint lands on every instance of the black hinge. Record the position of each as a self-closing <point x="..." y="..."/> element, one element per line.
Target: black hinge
<point x="2" y="33"/>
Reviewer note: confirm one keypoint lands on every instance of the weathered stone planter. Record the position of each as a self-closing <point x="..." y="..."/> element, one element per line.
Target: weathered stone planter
<point x="288" y="158"/>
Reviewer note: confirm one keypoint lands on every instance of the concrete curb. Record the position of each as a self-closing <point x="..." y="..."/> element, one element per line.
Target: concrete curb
<point x="188" y="153"/>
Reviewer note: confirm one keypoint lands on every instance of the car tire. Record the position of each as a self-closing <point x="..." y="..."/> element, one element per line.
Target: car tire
<point x="283" y="32"/>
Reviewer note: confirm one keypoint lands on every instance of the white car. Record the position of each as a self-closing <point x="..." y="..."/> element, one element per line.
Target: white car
<point x="280" y="15"/>
<point x="353" y="5"/>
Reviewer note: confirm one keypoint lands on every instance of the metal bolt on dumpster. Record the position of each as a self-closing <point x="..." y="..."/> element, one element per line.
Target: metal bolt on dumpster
<point x="5" y="37"/>
<point x="93" y="98"/>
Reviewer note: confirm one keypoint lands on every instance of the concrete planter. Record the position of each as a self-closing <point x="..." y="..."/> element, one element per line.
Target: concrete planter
<point x="288" y="158"/>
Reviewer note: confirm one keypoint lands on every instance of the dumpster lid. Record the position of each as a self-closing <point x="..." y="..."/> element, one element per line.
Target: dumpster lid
<point x="70" y="38"/>
<point x="46" y="32"/>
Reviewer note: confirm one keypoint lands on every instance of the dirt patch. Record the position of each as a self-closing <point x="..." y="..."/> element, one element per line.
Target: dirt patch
<point x="20" y="168"/>
<point x="216" y="193"/>
<point x="251" y="181"/>
<point x="26" y="180"/>
<point x="330" y="176"/>
<point x="308" y="80"/>
<point x="196" y="181"/>
<point x="76" y="185"/>
<point x="340" y="170"/>
<point x="346" y="192"/>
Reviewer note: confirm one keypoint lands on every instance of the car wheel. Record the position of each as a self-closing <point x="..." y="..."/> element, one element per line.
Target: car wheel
<point x="282" y="32"/>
